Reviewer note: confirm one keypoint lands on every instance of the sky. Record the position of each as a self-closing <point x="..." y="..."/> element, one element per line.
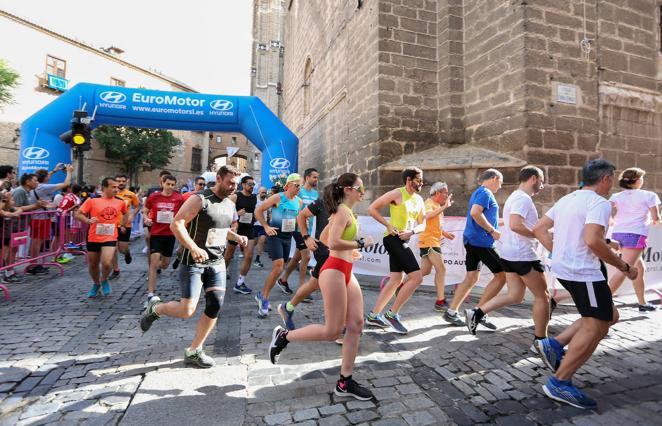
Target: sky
<point x="205" y="44"/>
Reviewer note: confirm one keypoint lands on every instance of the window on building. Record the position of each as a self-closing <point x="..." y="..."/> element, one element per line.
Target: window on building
<point x="196" y="159"/>
<point x="56" y="66"/>
<point x="307" y="73"/>
<point x="117" y="82"/>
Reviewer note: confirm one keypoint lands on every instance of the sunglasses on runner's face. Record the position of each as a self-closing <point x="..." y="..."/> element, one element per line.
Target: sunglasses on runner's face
<point x="250" y="184"/>
<point x="359" y="189"/>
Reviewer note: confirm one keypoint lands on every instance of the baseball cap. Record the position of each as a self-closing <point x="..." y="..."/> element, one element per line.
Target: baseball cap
<point x="294" y="177"/>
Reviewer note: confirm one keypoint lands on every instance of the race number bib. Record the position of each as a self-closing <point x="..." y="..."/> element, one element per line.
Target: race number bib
<point x="164" y="216"/>
<point x="411" y="224"/>
<point x="289" y="225"/>
<point x="105" y="229"/>
<point x="246" y="218"/>
<point x="216" y="237"/>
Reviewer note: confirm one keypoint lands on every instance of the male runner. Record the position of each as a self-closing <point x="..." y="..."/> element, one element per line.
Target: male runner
<point x="308" y="193"/>
<point x="480" y="233"/>
<point x="158" y="213"/>
<point x="407" y="214"/>
<point x="150" y="191"/>
<point x="124" y="238"/>
<point x="202" y="227"/>
<point x="102" y="214"/>
<point x="579" y="248"/>
<point x="259" y="229"/>
<point x="245" y="202"/>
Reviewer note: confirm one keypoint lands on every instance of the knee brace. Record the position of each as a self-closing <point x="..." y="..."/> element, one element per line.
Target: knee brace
<point x="213" y="302"/>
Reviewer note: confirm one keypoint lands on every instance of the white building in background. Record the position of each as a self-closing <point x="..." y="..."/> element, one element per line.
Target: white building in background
<point x="48" y="63"/>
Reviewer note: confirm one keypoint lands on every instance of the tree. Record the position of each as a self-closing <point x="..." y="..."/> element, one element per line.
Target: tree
<point x="137" y="149"/>
<point x="8" y="80"/>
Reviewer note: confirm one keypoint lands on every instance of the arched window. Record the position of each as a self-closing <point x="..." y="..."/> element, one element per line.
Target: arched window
<point x="307" y="73"/>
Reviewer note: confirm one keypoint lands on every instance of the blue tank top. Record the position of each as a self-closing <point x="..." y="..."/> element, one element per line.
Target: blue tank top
<point x="284" y="216"/>
<point x="308" y="197"/>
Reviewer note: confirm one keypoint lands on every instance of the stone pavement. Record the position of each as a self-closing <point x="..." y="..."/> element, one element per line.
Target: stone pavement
<point x="70" y="360"/>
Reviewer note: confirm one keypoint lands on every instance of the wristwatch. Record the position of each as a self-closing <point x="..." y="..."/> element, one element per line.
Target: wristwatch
<point x="361" y="243"/>
<point x="305" y="237"/>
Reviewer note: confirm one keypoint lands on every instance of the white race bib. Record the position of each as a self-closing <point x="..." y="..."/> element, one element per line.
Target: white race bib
<point x="164" y="216"/>
<point x="411" y="224"/>
<point x="246" y="218"/>
<point x="288" y="225"/>
<point x="105" y="229"/>
<point x="216" y="237"/>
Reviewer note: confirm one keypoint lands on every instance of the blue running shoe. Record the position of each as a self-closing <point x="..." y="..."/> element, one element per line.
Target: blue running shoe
<point x="394" y="320"/>
<point x="105" y="288"/>
<point x="550" y="351"/>
<point x="94" y="290"/>
<point x="262" y="305"/>
<point x="286" y="316"/>
<point x="564" y="391"/>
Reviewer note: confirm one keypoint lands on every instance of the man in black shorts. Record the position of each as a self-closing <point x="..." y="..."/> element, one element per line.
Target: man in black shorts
<point x="245" y="202"/>
<point x="578" y="249"/>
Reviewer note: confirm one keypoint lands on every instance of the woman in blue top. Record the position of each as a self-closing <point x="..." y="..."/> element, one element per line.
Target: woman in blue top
<point x="285" y="207"/>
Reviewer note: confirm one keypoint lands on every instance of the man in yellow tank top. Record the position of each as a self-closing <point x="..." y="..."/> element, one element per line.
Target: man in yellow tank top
<point x="407" y="215"/>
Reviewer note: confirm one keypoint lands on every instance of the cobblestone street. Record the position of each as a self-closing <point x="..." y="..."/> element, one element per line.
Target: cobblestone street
<point x="67" y="359"/>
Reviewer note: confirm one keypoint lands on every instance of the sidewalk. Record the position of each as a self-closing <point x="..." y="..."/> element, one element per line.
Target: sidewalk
<point x="67" y="359"/>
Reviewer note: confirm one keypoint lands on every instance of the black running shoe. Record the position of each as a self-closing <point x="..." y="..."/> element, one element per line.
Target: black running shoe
<point x="350" y="388"/>
<point x="470" y="320"/>
<point x="278" y="343"/>
<point x="114" y="275"/>
<point x="647" y="307"/>
<point x="37" y="270"/>
<point x="308" y="299"/>
<point x="284" y="286"/>
<point x="199" y="359"/>
<point x="150" y="315"/>
<point x="127" y="258"/>
<point x="175" y="264"/>
<point x="453" y="319"/>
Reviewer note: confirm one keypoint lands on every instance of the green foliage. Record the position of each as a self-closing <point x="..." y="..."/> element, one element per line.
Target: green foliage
<point x="137" y="149"/>
<point x="8" y="81"/>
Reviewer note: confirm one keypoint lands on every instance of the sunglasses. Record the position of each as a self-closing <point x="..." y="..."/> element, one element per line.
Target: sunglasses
<point x="359" y="189"/>
<point x="297" y="185"/>
<point x="250" y="184"/>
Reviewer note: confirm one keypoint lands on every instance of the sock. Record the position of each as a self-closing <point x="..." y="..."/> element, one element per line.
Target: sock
<point x="345" y="379"/>
<point x="479" y="314"/>
<point x="289" y="307"/>
<point x="439" y="301"/>
<point x="372" y="314"/>
<point x="539" y="338"/>
<point x="451" y="312"/>
<point x="390" y="313"/>
<point x="116" y="270"/>
<point x="240" y="280"/>
<point x="150" y="295"/>
<point x="257" y="258"/>
<point x="190" y="351"/>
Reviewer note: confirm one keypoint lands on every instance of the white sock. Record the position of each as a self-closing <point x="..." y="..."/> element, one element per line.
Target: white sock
<point x="451" y="312"/>
<point x="150" y="295"/>
<point x="240" y="280"/>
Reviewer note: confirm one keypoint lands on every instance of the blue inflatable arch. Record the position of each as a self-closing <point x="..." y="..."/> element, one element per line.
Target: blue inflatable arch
<point x="120" y="106"/>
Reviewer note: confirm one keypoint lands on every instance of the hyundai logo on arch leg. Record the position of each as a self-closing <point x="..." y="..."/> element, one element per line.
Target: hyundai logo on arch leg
<point x="112" y="97"/>
<point x="280" y="163"/>
<point x="35" y="153"/>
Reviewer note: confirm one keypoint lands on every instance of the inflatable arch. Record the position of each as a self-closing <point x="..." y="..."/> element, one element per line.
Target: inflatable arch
<point x="120" y="106"/>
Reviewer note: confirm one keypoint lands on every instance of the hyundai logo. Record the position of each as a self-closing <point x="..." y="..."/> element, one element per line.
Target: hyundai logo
<point x="280" y="163"/>
<point x="35" y="153"/>
<point x="221" y="105"/>
<point x="113" y="97"/>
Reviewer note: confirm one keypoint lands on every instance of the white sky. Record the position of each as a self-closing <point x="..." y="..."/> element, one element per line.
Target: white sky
<point x="203" y="43"/>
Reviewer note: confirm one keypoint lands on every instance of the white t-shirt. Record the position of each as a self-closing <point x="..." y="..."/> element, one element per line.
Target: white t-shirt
<point x="572" y="260"/>
<point x="513" y="246"/>
<point x="632" y="210"/>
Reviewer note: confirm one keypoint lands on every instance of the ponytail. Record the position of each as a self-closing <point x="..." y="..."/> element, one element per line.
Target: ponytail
<point x="334" y="193"/>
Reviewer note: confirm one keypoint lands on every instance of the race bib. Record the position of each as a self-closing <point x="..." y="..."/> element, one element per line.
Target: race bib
<point x="164" y="216"/>
<point x="411" y="224"/>
<point x="288" y="225"/>
<point x="105" y="229"/>
<point x="216" y="237"/>
<point x="246" y="218"/>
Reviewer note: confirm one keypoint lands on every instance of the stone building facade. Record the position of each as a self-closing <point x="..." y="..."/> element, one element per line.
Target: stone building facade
<point x="455" y="86"/>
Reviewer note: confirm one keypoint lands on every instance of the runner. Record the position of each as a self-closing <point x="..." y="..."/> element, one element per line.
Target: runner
<point x="103" y="215"/>
<point x="636" y="209"/>
<point x="429" y="243"/>
<point x="308" y="193"/>
<point x="150" y="191"/>
<point x="245" y="202"/>
<point x="407" y="211"/>
<point x="318" y="210"/>
<point x="198" y="186"/>
<point x="343" y="300"/>
<point x="285" y="207"/>
<point x="202" y="227"/>
<point x="480" y="233"/>
<point x="580" y="221"/>
<point x="259" y="229"/>
<point x="158" y="213"/>
<point x="518" y="256"/>
<point x="124" y="238"/>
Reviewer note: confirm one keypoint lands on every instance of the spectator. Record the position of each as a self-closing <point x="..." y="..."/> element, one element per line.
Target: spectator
<point x="25" y="198"/>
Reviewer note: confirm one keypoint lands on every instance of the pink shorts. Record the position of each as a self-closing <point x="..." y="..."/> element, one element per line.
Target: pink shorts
<point x="627" y="240"/>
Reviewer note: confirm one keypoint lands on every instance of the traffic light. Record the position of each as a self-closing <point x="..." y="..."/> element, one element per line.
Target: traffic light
<point x="79" y="137"/>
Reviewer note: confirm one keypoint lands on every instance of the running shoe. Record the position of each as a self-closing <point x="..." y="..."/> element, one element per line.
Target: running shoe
<point x="127" y="258"/>
<point x="62" y="260"/>
<point x="94" y="290"/>
<point x="258" y="264"/>
<point x="198" y="359"/>
<point x="341" y="339"/>
<point x="550" y="351"/>
<point x="284" y="286"/>
<point x="175" y="263"/>
<point x="376" y="320"/>
<point x="647" y="307"/>
<point x="262" y="305"/>
<point x="242" y="289"/>
<point x="453" y="319"/>
<point x="485" y="321"/>
<point x="278" y="343"/>
<point x="394" y="320"/>
<point x="114" y="275"/>
<point x="308" y="299"/>
<point x="37" y="270"/>
<point x="11" y="279"/>
<point x="350" y="388"/>
<point x="286" y="316"/>
<point x="470" y="320"/>
<point x="71" y="246"/>
<point x="566" y="392"/>
<point x="145" y="250"/>
<point x="150" y="315"/>
<point x="106" y="289"/>
<point x="440" y="305"/>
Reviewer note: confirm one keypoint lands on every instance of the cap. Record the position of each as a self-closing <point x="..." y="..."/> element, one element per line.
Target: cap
<point x="294" y="177"/>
